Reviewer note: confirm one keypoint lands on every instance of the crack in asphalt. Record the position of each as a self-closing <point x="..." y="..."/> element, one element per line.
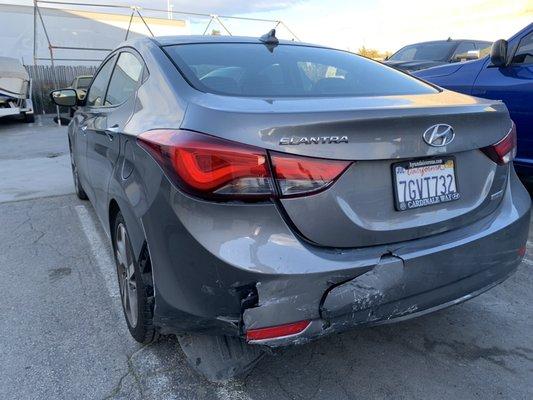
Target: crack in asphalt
<point x="130" y="371"/>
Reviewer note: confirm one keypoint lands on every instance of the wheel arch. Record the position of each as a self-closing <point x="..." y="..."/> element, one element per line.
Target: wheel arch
<point x="135" y="231"/>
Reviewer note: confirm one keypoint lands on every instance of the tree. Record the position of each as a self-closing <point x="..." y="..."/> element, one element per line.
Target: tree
<point x="372" y="53"/>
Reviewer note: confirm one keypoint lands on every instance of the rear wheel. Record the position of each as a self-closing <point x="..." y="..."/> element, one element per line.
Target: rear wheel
<point x="134" y="278"/>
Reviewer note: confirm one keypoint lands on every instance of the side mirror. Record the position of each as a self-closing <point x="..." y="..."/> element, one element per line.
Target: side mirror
<point x="64" y="97"/>
<point x="498" y="53"/>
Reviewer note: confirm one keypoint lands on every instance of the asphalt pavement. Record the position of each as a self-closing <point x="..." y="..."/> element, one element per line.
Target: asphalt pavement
<point x="63" y="335"/>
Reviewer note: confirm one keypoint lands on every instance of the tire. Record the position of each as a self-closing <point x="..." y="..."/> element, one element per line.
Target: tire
<point x="220" y="358"/>
<point x="135" y="284"/>
<point x="29" y="118"/>
<point x="77" y="184"/>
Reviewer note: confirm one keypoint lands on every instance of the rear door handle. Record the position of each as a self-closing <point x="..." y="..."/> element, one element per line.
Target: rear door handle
<point x="112" y="129"/>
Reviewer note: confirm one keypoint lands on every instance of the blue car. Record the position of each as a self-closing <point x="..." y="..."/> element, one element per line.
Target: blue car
<point x="506" y="74"/>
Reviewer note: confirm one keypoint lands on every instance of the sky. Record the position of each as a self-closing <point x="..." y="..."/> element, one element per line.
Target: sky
<point x="385" y="25"/>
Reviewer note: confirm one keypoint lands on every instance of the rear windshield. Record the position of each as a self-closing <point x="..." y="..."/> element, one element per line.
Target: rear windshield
<point x="437" y="51"/>
<point x="249" y="69"/>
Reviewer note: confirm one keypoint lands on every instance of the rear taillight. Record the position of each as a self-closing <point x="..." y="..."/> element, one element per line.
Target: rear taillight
<point x="505" y="150"/>
<point x="298" y="175"/>
<point x="276" y="332"/>
<point x="215" y="168"/>
<point x="210" y="167"/>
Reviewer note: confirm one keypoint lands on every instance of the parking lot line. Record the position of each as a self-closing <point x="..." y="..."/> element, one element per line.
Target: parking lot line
<point x="99" y="251"/>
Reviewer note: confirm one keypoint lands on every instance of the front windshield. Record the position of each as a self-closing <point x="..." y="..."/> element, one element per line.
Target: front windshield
<point x="83" y="83"/>
<point x="438" y="51"/>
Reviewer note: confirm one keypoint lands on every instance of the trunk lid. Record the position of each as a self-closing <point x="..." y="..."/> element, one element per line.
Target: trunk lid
<point x="359" y="208"/>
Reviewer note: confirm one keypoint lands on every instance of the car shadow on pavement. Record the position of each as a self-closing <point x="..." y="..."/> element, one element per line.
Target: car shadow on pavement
<point x="11" y="121"/>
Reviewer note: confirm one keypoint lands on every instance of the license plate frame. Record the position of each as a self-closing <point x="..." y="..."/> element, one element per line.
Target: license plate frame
<point x="421" y="163"/>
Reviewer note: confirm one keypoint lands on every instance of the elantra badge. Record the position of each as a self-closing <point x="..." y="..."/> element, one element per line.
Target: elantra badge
<point x="294" y="140"/>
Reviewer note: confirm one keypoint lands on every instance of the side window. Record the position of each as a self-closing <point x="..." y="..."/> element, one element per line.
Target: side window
<point x="124" y="80"/>
<point x="95" y="98"/>
<point x="484" y="48"/>
<point x="462" y="49"/>
<point x="524" y="53"/>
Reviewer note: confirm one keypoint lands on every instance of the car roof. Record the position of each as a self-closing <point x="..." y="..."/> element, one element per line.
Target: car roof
<point x="189" y="39"/>
<point x="450" y="41"/>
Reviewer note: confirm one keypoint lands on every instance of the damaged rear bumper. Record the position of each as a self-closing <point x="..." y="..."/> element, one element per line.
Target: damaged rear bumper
<point x="416" y="278"/>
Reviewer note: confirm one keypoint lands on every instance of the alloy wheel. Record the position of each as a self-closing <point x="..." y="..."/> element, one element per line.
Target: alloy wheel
<point x="126" y="275"/>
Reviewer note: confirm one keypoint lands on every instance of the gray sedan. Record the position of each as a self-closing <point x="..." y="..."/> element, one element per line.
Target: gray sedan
<point x="261" y="193"/>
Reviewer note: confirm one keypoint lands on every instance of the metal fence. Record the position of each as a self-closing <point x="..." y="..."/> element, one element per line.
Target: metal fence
<point x="43" y="82"/>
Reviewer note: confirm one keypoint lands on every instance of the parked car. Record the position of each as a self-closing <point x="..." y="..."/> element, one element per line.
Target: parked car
<point x="299" y="192"/>
<point x="419" y="56"/>
<point x="15" y="90"/>
<point x="80" y="84"/>
<point x="507" y="75"/>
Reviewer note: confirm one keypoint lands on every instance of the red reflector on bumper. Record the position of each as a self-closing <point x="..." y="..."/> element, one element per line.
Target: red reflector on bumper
<point x="522" y="251"/>
<point x="273" y="332"/>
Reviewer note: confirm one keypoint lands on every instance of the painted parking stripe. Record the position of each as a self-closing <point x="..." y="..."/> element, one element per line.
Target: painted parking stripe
<point x="224" y="390"/>
<point x="99" y="251"/>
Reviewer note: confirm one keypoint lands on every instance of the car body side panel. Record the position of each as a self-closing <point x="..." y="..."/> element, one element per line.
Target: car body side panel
<point x="124" y="187"/>
<point x="103" y="148"/>
<point x="127" y="194"/>
<point x="514" y="86"/>
<point x="78" y="141"/>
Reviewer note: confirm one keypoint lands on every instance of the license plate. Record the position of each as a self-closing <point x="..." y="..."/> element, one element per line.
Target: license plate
<point x="424" y="183"/>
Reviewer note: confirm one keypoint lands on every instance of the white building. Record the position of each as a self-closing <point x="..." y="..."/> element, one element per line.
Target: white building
<point x="97" y="28"/>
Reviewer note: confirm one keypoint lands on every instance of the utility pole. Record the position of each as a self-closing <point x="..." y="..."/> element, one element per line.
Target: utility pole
<point x="169" y="9"/>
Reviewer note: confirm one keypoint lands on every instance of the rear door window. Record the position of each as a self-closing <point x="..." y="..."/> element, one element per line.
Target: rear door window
<point x="254" y="70"/>
<point x="124" y="80"/>
<point x="95" y="98"/>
